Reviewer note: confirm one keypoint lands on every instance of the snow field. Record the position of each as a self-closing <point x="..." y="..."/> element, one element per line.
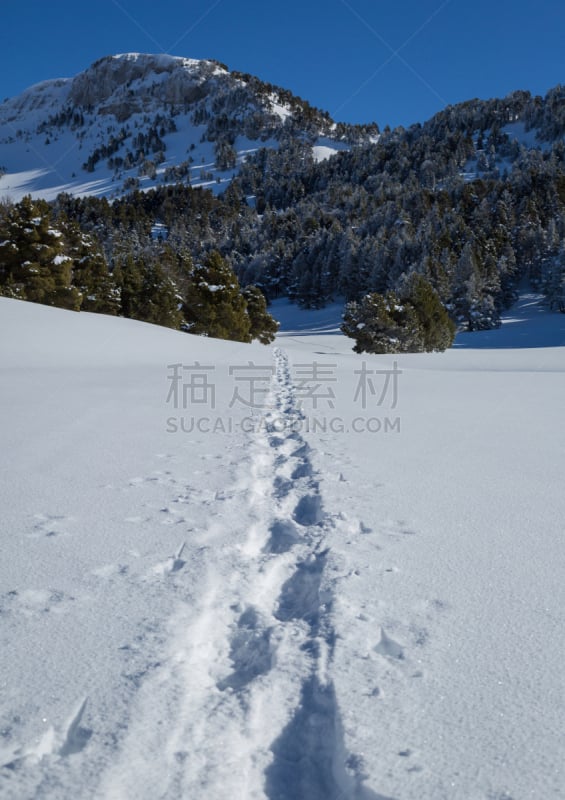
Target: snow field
<point x="278" y="612"/>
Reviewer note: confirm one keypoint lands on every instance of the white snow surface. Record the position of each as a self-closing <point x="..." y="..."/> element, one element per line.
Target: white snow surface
<point x="269" y="610"/>
<point x="326" y="148"/>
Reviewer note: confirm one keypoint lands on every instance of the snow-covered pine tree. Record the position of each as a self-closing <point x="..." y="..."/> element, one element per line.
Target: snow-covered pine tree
<point x="128" y="277"/>
<point x="159" y="300"/>
<point x="412" y="321"/>
<point x="554" y="287"/>
<point x="214" y="305"/>
<point x="33" y="263"/>
<point x="382" y="324"/>
<point x="91" y="276"/>
<point x="263" y="326"/>
<point x="438" y="329"/>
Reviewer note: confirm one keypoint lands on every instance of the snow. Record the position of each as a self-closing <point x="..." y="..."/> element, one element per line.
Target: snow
<point x="307" y="602"/>
<point x="527" y="138"/>
<point x="325" y="148"/>
<point x="516" y="131"/>
<point x="57" y="167"/>
<point x="159" y="231"/>
<point x="282" y="111"/>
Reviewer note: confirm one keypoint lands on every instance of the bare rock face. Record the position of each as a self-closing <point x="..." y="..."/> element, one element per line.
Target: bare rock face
<point x="98" y="83"/>
<point x="124" y="85"/>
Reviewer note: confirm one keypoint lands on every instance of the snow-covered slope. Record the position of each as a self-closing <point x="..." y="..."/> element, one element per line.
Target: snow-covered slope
<point x="138" y="120"/>
<point x="360" y="598"/>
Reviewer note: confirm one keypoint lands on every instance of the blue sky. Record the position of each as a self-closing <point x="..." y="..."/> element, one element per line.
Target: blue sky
<point x="394" y="62"/>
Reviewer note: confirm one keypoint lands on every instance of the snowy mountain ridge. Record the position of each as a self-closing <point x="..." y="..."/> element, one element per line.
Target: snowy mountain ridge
<point x="112" y="75"/>
<point x="136" y="121"/>
<point x="130" y="80"/>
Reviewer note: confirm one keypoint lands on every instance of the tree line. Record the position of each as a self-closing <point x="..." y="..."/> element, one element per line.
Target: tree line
<point x="46" y="258"/>
<point x="459" y="202"/>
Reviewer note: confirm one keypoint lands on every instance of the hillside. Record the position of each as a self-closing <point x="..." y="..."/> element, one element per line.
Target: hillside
<point x="137" y="121"/>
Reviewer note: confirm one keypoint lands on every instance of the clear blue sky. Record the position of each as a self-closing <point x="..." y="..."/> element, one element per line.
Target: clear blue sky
<point x="393" y="62"/>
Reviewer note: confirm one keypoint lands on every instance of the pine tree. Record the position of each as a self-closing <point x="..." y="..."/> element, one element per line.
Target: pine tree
<point x="214" y="305"/>
<point x="412" y="321"/>
<point x="99" y="292"/>
<point x="159" y="301"/>
<point x="382" y="324"/>
<point x="33" y="262"/>
<point x="263" y="326"/>
<point x="474" y="302"/>
<point x="438" y="330"/>
<point x="91" y="276"/>
<point x="128" y="277"/>
<point x="555" y="282"/>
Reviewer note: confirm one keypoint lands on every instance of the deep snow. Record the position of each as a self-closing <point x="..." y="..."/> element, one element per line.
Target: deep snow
<point x="274" y="605"/>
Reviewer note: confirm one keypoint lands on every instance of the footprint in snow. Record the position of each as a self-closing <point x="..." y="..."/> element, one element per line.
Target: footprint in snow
<point x="62" y="741"/>
<point x="49" y="525"/>
<point x="173" y="563"/>
<point x="157" y="477"/>
<point x="108" y="571"/>
<point x="308" y="510"/>
<point x="502" y="796"/>
<point x="301" y="595"/>
<point x="75" y="736"/>
<point x="302" y="470"/>
<point x="398" y="528"/>
<point x="282" y="487"/>
<point x="388" y="647"/>
<point x="32" y="602"/>
<point x="283" y="536"/>
<point x="420" y="635"/>
<point x="250" y="652"/>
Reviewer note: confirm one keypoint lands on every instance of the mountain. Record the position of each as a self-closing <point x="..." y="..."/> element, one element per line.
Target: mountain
<point x="138" y="121"/>
<point x="472" y="201"/>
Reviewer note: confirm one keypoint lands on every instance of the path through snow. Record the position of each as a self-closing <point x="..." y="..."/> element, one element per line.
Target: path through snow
<point x="288" y="612"/>
<point x="244" y="696"/>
